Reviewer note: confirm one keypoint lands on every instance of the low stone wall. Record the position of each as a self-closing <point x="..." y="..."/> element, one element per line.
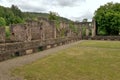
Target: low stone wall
<point x="10" y="50"/>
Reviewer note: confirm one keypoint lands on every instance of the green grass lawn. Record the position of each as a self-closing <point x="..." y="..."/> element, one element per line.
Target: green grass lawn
<point x="89" y="60"/>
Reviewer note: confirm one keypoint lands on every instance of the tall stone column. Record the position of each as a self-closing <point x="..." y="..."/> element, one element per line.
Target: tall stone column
<point x="79" y="31"/>
<point x="28" y="33"/>
<point x="94" y="28"/>
<point x="87" y="32"/>
<point x="54" y="29"/>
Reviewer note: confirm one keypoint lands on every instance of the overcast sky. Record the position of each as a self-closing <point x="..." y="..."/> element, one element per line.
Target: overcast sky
<point x="72" y="9"/>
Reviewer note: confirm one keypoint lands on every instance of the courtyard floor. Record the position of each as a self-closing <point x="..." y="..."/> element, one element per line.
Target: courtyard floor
<point x="7" y="66"/>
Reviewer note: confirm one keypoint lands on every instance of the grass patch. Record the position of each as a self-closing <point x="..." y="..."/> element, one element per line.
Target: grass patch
<point x="77" y="63"/>
<point x="101" y="44"/>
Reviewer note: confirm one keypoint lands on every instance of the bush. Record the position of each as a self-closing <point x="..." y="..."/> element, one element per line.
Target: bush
<point x="2" y="22"/>
<point x="7" y="31"/>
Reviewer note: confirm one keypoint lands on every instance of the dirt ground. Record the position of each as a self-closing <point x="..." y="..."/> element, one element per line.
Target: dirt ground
<point x="6" y="66"/>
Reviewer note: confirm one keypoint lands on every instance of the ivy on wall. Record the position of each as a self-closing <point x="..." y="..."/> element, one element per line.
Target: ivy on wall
<point x="83" y="31"/>
<point x="7" y="32"/>
<point x="73" y="27"/>
<point x="62" y="33"/>
<point x="60" y="30"/>
<point x="57" y="24"/>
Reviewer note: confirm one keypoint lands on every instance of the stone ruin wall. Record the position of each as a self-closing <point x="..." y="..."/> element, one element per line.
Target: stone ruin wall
<point x="2" y="34"/>
<point x="44" y="29"/>
<point x="29" y="37"/>
<point x="32" y="30"/>
<point x="33" y="35"/>
<point x="90" y="28"/>
<point x="18" y="32"/>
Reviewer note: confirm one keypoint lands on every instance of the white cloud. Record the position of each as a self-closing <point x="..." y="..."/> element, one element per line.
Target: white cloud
<point x="72" y="9"/>
<point x="64" y="3"/>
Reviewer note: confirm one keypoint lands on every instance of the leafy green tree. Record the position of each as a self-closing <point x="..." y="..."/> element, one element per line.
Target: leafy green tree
<point x="108" y="19"/>
<point x="1" y="11"/>
<point x="14" y="15"/>
<point x="53" y="16"/>
<point x="17" y="11"/>
<point x="18" y="20"/>
<point x="85" y="20"/>
<point x="2" y="22"/>
<point x="9" y="16"/>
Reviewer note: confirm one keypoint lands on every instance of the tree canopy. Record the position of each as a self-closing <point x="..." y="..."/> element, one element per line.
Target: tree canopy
<point x="85" y="20"/>
<point x="108" y="19"/>
<point x="11" y="15"/>
<point x="14" y="15"/>
<point x="53" y="16"/>
<point x="2" y="22"/>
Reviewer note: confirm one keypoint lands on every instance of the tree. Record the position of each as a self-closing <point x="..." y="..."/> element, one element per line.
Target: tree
<point x="17" y="11"/>
<point x="18" y="20"/>
<point x="85" y="20"/>
<point x="9" y="16"/>
<point x="108" y="19"/>
<point x="53" y="16"/>
<point x="2" y="22"/>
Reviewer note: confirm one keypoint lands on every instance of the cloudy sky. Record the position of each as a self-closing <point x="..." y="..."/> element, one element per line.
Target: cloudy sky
<point x="72" y="9"/>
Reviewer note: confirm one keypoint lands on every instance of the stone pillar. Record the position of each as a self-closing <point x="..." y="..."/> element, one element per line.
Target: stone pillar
<point x="94" y="28"/>
<point x="80" y="31"/>
<point x="93" y="32"/>
<point x="55" y="33"/>
<point x="29" y="36"/>
<point x="87" y="32"/>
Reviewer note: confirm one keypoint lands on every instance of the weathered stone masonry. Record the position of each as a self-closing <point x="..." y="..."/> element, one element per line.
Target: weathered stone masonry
<point x="2" y="34"/>
<point x="34" y="36"/>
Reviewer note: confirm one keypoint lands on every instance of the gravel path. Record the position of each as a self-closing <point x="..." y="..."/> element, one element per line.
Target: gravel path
<point x="6" y="66"/>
